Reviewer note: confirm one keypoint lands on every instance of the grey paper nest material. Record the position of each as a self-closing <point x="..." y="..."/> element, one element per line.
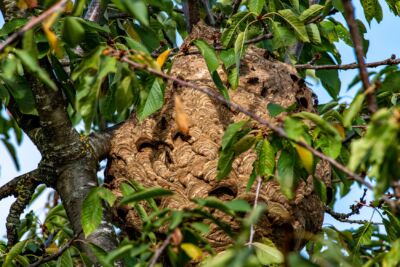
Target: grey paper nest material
<point x="154" y="155"/>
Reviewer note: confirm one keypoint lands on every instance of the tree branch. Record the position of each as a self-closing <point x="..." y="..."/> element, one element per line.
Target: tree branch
<point x="357" y="43"/>
<point x="95" y="10"/>
<point x="159" y="251"/>
<point x="32" y="23"/>
<point x="342" y="217"/>
<point x="10" y="188"/>
<point x="56" y="254"/>
<point x="390" y="61"/>
<point x="210" y="92"/>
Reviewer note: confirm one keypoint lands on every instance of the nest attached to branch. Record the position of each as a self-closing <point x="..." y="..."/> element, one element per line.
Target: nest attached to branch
<point x="154" y="154"/>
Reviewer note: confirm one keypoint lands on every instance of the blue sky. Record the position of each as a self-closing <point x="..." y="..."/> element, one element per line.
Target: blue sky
<point x="384" y="41"/>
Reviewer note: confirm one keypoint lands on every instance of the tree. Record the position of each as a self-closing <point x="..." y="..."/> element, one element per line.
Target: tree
<point x="217" y="151"/>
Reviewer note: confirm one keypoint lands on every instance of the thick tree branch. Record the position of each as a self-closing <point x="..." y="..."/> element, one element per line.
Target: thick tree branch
<point x="191" y="12"/>
<point x="32" y="23"/>
<point x="10" y="188"/>
<point x="213" y="94"/>
<point x="96" y="10"/>
<point x="390" y="61"/>
<point x="357" y="43"/>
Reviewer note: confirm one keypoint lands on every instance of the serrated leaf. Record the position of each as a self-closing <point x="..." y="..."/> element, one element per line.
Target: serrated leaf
<point x="213" y="202"/>
<point x="230" y="32"/>
<point x="313" y="33"/>
<point x="363" y="235"/>
<point x="162" y="58"/>
<point x="92" y="212"/>
<point x="312" y="12"/>
<point x="13" y="253"/>
<point x="136" y="8"/>
<point x="239" y="205"/>
<point x="239" y="48"/>
<point x="193" y="251"/>
<point x="355" y="107"/>
<point x="265" y="159"/>
<point x="154" y="100"/>
<point x="295" y="23"/>
<point x="144" y="194"/>
<point x="244" y="144"/>
<point x="256" y="6"/>
<point x="231" y="132"/>
<point x="106" y="195"/>
<point x="372" y="9"/>
<point x="268" y="255"/>
<point x="65" y="260"/>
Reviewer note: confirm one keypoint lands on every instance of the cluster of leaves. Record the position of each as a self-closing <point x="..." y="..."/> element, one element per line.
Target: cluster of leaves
<point x="101" y="90"/>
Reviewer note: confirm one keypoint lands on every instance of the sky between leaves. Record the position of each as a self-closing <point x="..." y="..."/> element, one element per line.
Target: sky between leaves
<point x="384" y="39"/>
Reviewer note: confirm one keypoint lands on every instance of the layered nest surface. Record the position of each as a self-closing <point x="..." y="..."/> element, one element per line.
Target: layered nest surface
<point x="154" y="154"/>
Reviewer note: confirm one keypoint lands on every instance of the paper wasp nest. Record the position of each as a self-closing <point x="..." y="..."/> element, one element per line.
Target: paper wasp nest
<point x="154" y="155"/>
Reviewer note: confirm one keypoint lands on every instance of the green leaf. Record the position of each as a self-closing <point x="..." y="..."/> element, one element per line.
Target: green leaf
<point x="209" y="55"/>
<point x="244" y="144"/>
<point x="154" y="100"/>
<point x="92" y="212"/>
<point x="212" y="64"/>
<point x="239" y="205"/>
<point x="65" y="260"/>
<point x="275" y="109"/>
<point x="213" y="202"/>
<point x="312" y="12"/>
<point x="225" y="164"/>
<point x="227" y="57"/>
<point x="256" y="6"/>
<point x="73" y="32"/>
<point x="33" y="66"/>
<point x="313" y="33"/>
<point x="106" y="195"/>
<point x="355" y="107"/>
<point x="239" y="48"/>
<point x="13" y="253"/>
<point x="372" y="9"/>
<point x="230" y="32"/>
<point x="329" y="78"/>
<point x="231" y="132"/>
<point x="136" y="8"/>
<point x="268" y="255"/>
<point x="265" y="163"/>
<point x="363" y="235"/>
<point x="285" y="176"/>
<point x="145" y="194"/>
<point x="320" y="122"/>
<point x="13" y="153"/>
<point x="295" y="23"/>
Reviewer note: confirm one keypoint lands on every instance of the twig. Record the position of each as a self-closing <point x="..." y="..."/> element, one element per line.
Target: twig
<point x="259" y="38"/>
<point x="32" y="23"/>
<point x="357" y="43"/>
<point x="55" y="255"/>
<point x="341" y="217"/>
<point x="390" y="61"/>
<point x="159" y="251"/>
<point x="252" y="231"/>
<point x="280" y="131"/>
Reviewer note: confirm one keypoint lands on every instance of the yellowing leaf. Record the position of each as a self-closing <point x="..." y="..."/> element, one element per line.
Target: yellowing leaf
<point x="53" y="41"/>
<point x="50" y="21"/>
<point x="193" y="251"/>
<point x="181" y="118"/>
<point x="163" y="57"/>
<point x="340" y="129"/>
<point x="131" y="31"/>
<point x="53" y="248"/>
<point x="306" y="157"/>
